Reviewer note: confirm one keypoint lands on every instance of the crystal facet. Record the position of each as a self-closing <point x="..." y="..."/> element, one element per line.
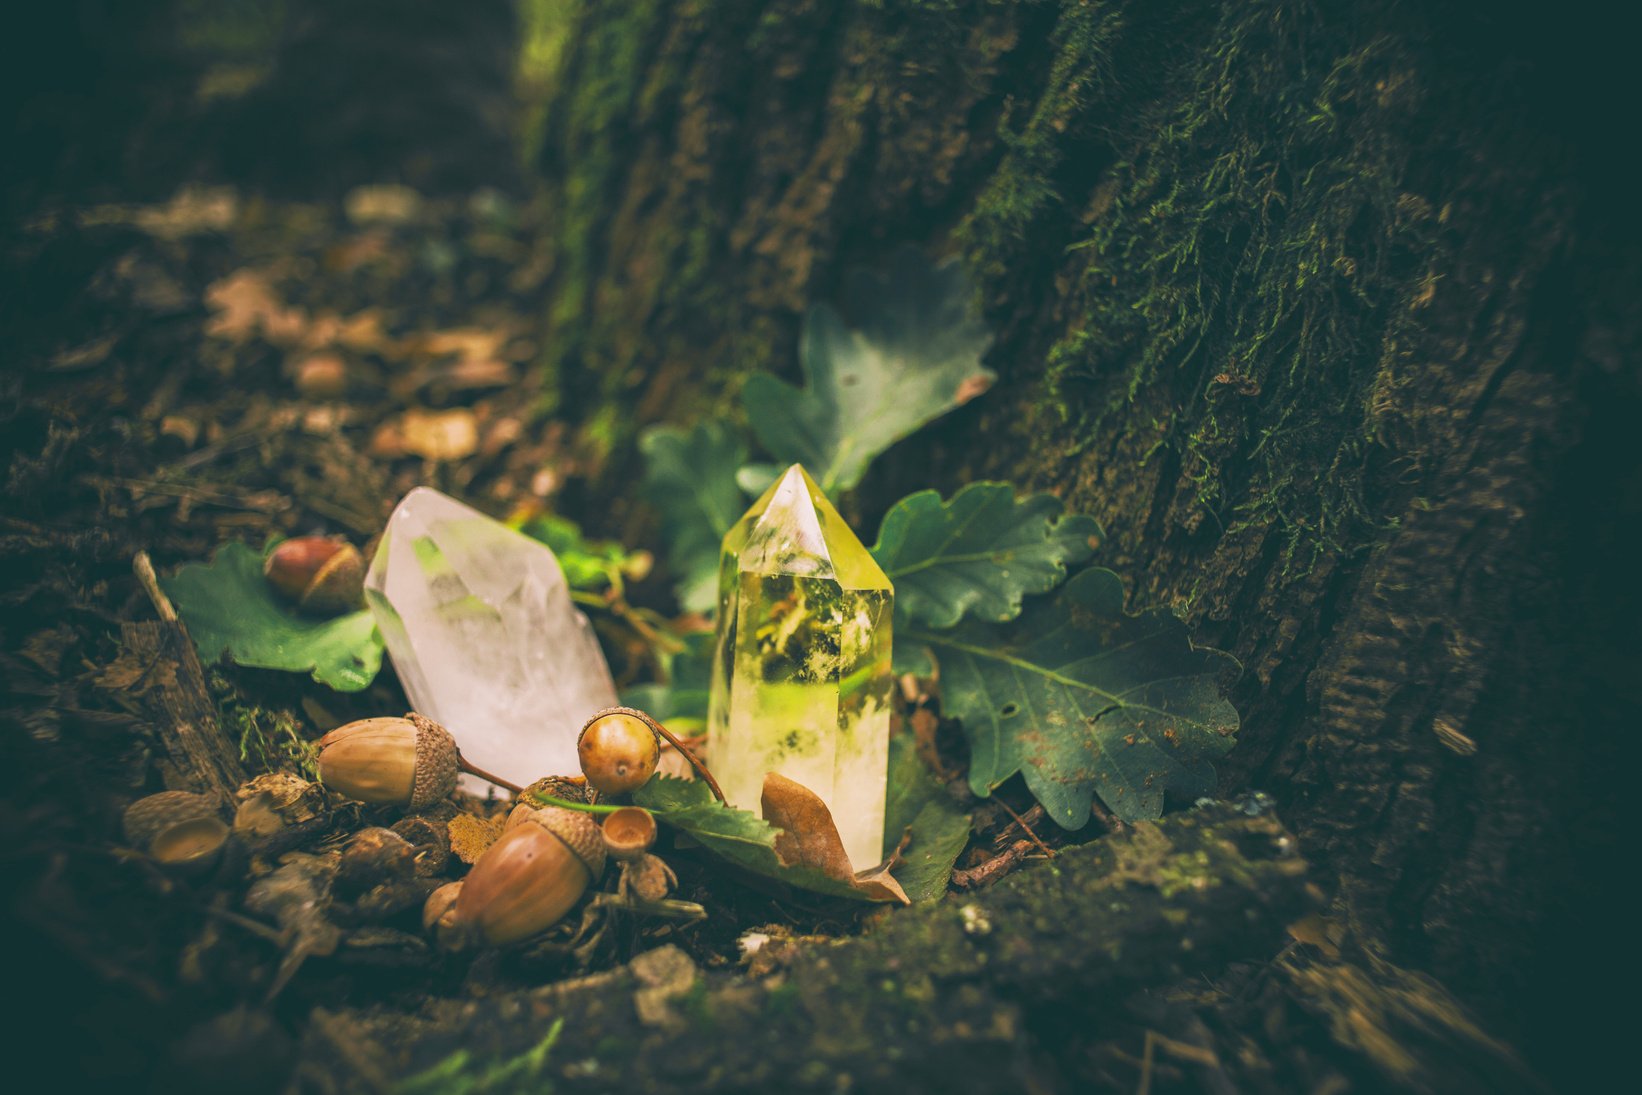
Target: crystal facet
<point x="479" y="623"/>
<point x="801" y="677"/>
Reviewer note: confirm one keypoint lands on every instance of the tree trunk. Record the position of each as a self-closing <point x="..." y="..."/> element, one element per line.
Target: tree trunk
<point x="1311" y="305"/>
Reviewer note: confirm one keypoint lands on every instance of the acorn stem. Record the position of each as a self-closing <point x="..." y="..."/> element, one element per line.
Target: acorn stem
<point x="695" y="762"/>
<point x="463" y="763"/>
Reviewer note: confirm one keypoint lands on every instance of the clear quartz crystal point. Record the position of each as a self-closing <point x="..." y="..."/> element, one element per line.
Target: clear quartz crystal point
<point x="801" y="678"/>
<point x="479" y="623"/>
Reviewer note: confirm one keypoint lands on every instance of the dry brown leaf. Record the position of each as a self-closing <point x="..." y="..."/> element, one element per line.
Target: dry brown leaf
<point x="470" y="836"/>
<point x="809" y="838"/>
<point x="467" y="343"/>
<point x="245" y="305"/>
<point x="433" y="435"/>
<point x="386" y="203"/>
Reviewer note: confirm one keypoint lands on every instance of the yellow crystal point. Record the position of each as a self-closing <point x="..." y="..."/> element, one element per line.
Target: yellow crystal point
<point x="801" y="679"/>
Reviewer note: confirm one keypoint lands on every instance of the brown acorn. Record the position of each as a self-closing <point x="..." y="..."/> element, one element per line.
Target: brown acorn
<point x="619" y="749"/>
<point x="408" y="761"/>
<point x="322" y="575"/>
<point x="534" y="873"/>
<point x="439" y="911"/>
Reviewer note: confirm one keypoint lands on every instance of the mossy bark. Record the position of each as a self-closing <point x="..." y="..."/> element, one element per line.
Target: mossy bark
<point x="1299" y="299"/>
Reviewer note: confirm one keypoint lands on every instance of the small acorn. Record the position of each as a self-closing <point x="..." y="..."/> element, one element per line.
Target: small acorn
<point x="628" y="833"/>
<point x="439" y="911"/>
<point x="408" y="761"/>
<point x="619" y="749"/>
<point x="322" y="575"/>
<point x="534" y="873"/>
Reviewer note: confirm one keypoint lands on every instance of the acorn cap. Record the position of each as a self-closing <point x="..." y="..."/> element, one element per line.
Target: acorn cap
<point x="146" y="818"/>
<point x="436" y="762"/>
<point x="579" y="832"/>
<point x="628" y="833"/>
<point x="189" y="846"/>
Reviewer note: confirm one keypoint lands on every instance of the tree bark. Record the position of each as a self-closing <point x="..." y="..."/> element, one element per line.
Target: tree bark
<point x="1311" y="304"/>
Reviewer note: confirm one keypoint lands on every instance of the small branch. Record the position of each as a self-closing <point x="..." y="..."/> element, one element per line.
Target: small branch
<point x="994" y="868"/>
<point x="1027" y="829"/>
<point x="695" y="761"/>
<point x="463" y="763"/>
<point x="150" y="582"/>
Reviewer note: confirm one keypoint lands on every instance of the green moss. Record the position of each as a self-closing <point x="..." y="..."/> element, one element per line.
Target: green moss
<point x="269" y="740"/>
<point x="1244" y="257"/>
<point x="460" y="1074"/>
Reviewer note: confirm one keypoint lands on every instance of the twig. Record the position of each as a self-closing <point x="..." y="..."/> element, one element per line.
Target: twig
<point x="1027" y="829"/>
<point x="465" y="765"/>
<point x="144" y="566"/>
<point x="992" y="869"/>
<point x="695" y="761"/>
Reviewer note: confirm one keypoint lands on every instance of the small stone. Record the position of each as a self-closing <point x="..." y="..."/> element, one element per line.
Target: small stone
<point x="478" y="620"/>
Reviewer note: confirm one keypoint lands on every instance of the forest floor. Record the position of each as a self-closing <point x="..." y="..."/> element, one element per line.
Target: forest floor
<point x="220" y="368"/>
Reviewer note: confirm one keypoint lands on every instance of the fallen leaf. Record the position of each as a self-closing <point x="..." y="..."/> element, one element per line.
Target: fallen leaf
<point x="433" y="435"/>
<point x="919" y="804"/>
<point x="245" y="306"/>
<point x="1082" y="699"/>
<point x="471" y="836"/>
<point x="979" y="554"/>
<point x="745" y="839"/>
<point x="809" y="838"/>
<point x="383" y="204"/>
<point x="690" y="477"/>
<point x="909" y="352"/>
<point x="84" y="356"/>
<point x="231" y="610"/>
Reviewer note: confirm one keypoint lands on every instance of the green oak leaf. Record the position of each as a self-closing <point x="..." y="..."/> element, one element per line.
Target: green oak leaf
<point x="939" y="829"/>
<point x="231" y="611"/>
<point x="1083" y="699"/>
<point x="913" y="354"/>
<point x="739" y="836"/>
<point x="690" y="475"/>
<point x="978" y="554"/>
